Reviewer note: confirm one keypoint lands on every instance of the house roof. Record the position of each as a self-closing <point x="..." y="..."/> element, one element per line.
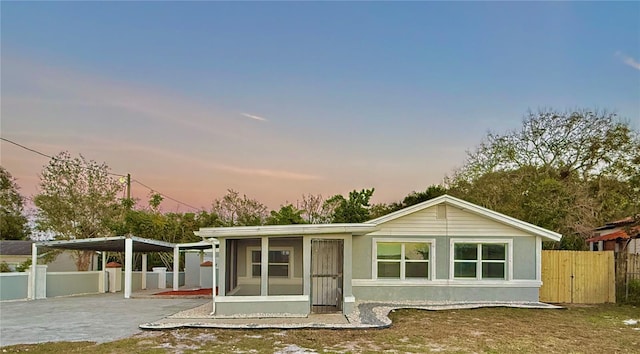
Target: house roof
<point x="620" y="234"/>
<point x="372" y="225"/>
<point x="616" y="223"/>
<point x="288" y="230"/>
<point x="116" y="244"/>
<point x="472" y="208"/>
<point x="15" y="248"/>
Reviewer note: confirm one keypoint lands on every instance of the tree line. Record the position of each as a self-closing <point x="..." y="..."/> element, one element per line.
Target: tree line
<point x="565" y="171"/>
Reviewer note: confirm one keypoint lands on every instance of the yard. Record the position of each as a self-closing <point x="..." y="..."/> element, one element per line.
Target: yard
<point x="578" y="329"/>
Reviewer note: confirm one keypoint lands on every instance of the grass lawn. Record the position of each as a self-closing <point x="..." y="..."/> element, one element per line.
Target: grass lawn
<point x="578" y="329"/>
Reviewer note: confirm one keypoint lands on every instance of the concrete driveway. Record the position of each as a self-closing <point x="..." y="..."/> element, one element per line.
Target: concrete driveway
<point x="96" y="318"/>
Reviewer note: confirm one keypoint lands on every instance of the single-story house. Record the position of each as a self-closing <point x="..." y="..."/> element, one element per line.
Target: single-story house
<point x="442" y="250"/>
<point x="16" y="252"/>
<point x="614" y="236"/>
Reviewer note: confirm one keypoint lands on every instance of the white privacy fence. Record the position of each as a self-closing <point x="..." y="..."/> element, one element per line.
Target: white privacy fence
<point x="15" y="285"/>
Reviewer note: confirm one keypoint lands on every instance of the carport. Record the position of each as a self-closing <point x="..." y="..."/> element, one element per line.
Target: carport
<point x="126" y="244"/>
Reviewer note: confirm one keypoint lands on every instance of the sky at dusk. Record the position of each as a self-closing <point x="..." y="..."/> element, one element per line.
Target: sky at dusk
<point x="276" y="100"/>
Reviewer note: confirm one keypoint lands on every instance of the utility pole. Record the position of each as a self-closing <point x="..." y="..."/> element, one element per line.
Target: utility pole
<point x="128" y="186"/>
<point x="127" y="179"/>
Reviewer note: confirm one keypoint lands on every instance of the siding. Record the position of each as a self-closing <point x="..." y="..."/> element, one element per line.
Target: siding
<point x="458" y="222"/>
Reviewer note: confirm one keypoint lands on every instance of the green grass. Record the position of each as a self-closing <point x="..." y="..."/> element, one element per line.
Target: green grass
<point x="577" y="329"/>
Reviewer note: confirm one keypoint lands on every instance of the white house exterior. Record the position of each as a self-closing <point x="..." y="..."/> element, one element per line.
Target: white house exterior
<point x="441" y="250"/>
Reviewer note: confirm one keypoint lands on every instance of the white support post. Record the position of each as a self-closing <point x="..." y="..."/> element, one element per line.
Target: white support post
<point x="128" y="265"/>
<point x="176" y="267"/>
<point x="538" y="259"/>
<point x="264" y="267"/>
<point x="214" y="288"/>
<point x="103" y="288"/>
<point x="144" y="271"/>
<point x="306" y="265"/>
<point x="32" y="273"/>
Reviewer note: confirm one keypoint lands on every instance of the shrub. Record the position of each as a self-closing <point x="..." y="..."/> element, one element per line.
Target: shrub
<point x="634" y="292"/>
<point x="4" y="267"/>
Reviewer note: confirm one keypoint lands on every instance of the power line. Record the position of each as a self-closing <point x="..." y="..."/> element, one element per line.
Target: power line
<point x="110" y="173"/>
<point x="26" y="148"/>
<point x="45" y="155"/>
<point x="166" y="196"/>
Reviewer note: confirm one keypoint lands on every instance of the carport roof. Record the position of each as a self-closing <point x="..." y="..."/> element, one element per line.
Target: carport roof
<point x="116" y="244"/>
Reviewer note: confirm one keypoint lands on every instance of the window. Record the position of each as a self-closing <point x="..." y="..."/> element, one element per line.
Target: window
<point x="279" y="262"/>
<point x="480" y="260"/>
<point x="402" y="260"/>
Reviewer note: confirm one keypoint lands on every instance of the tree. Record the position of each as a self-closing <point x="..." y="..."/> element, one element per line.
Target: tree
<point x="236" y="210"/>
<point x="13" y="224"/>
<point x="568" y="172"/>
<point x="352" y="210"/>
<point x="431" y="192"/>
<point x="155" y="199"/>
<point x="287" y="215"/>
<point x="77" y="200"/>
<point x="413" y="198"/>
<point x="589" y="143"/>
<point x="312" y="208"/>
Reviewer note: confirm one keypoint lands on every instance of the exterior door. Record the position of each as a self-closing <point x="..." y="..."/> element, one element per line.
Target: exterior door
<point x="326" y="275"/>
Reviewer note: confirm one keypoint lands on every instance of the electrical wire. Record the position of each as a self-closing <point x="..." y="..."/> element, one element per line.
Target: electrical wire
<point x="110" y="173"/>
<point x="45" y="155"/>
<point x="166" y="196"/>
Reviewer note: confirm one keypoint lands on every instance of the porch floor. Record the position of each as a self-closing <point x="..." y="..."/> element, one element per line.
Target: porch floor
<point x="365" y="315"/>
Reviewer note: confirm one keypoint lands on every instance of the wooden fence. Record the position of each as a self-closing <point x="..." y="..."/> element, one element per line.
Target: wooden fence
<point x="580" y="277"/>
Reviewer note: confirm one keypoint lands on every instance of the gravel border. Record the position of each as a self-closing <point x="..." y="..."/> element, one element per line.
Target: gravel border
<point x="365" y="315"/>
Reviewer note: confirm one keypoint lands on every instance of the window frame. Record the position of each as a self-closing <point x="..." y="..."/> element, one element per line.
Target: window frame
<point x="251" y="263"/>
<point x="508" y="261"/>
<point x="430" y="262"/>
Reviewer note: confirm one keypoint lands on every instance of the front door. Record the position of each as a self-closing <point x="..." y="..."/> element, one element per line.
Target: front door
<point x="326" y="275"/>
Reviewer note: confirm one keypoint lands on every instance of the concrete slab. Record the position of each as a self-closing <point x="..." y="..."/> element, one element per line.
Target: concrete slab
<point x="97" y="318"/>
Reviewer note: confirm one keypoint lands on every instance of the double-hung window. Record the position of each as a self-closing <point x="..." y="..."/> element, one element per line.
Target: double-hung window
<point x="481" y="260"/>
<point x="279" y="262"/>
<point x="402" y="260"/>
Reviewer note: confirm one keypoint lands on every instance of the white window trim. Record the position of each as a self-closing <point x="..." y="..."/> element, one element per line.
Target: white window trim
<point x="508" y="265"/>
<point x="431" y="260"/>
<point x="250" y="249"/>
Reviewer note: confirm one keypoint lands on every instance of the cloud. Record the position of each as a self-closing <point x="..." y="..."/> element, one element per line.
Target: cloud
<point x="254" y="117"/>
<point x="628" y="60"/>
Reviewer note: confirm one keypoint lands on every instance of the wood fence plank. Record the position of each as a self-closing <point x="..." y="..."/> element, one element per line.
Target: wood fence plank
<point x="578" y="277"/>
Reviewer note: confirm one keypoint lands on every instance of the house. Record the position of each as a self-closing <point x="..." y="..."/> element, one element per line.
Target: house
<point x="16" y="252"/>
<point x="442" y="250"/>
<point x="617" y="236"/>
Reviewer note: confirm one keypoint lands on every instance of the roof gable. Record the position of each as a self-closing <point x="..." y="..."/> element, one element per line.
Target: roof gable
<point x="470" y="208"/>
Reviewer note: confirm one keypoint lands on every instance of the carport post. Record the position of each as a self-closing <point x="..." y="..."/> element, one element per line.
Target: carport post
<point x="176" y="266"/>
<point x="144" y="271"/>
<point x="128" y="264"/>
<point x="105" y="275"/>
<point x="34" y="263"/>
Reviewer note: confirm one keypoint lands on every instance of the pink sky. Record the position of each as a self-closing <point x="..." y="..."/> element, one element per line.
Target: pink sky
<point x="195" y="151"/>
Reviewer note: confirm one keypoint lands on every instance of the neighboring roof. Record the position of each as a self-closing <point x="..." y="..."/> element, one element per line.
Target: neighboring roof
<point x="620" y="234"/>
<point x="472" y="208"/>
<point x="116" y="244"/>
<point x="15" y="248"/>
<point x="617" y="223"/>
<point x="275" y="230"/>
